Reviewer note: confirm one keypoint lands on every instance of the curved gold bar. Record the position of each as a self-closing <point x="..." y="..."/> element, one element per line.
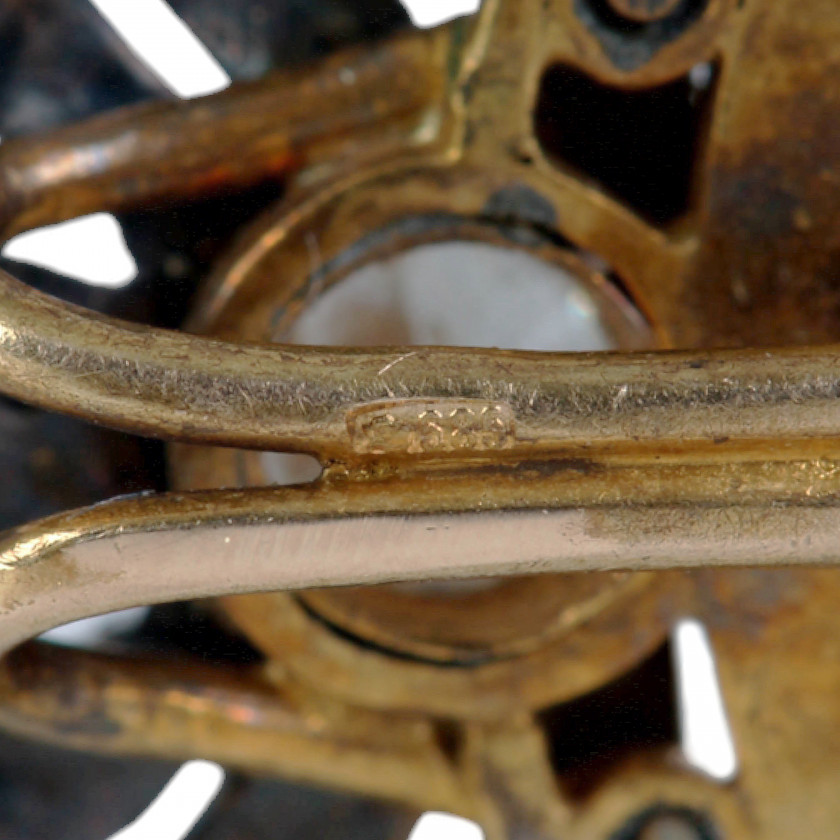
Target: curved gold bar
<point x="352" y="103"/>
<point x="133" y="706"/>
<point x="155" y="549"/>
<point x="406" y="403"/>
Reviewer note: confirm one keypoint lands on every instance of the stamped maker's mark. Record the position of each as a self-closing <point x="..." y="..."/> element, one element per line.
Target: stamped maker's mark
<point x="420" y="427"/>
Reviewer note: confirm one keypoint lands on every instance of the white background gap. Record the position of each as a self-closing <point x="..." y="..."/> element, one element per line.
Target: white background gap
<point x="705" y="735"/>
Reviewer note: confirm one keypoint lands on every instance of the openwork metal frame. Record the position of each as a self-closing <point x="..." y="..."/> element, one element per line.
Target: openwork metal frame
<point x="463" y="462"/>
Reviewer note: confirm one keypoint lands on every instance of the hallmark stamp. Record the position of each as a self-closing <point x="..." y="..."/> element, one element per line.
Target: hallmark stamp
<point x="419" y="427"/>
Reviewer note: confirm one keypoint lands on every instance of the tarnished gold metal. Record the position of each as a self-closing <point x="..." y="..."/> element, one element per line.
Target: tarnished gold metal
<point x="357" y="105"/>
<point x="444" y="463"/>
<point x="114" y="556"/>
<point x="413" y="406"/>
